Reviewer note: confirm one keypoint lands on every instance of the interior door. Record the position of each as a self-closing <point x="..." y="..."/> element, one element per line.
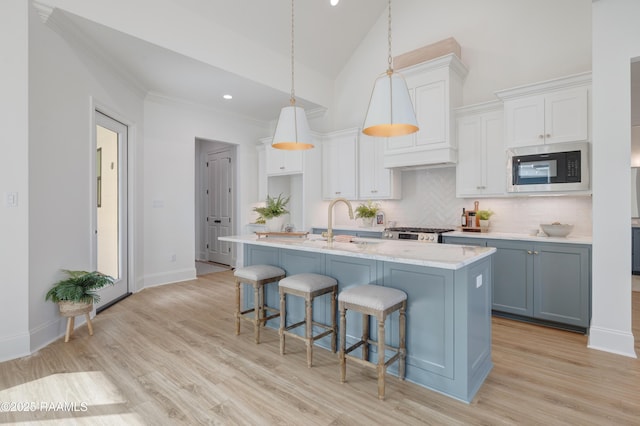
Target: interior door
<point x="219" y="206"/>
<point x="111" y="206"/>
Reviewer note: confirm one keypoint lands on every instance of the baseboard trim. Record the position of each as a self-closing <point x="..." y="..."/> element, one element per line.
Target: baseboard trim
<point x="613" y="341"/>
<point x="12" y="347"/>
<point x="170" y="277"/>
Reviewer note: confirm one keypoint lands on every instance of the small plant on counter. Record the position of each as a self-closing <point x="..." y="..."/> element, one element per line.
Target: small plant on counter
<point x="484" y="214"/>
<point x="274" y="207"/>
<point x="368" y="210"/>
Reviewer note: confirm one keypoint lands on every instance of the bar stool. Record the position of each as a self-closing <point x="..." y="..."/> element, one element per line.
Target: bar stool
<point x="377" y="301"/>
<point x="308" y="286"/>
<point x="258" y="276"/>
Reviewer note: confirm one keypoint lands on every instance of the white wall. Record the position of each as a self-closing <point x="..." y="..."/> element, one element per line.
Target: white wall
<point x="14" y="169"/>
<point x="171" y="130"/>
<point x="64" y="80"/>
<point x="616" y="40"/>
<point x="505" y="43"/>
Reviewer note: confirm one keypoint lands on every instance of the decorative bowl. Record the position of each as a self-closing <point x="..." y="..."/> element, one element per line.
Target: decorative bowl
<point x="556" y="229"/>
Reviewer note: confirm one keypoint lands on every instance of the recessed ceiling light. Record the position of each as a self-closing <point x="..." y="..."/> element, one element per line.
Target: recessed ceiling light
<point x="227" y="96"/>
<point x="334" y="2"/>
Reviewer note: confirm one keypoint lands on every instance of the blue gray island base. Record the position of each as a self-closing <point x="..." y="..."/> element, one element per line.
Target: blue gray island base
<point x="448" y="333"/>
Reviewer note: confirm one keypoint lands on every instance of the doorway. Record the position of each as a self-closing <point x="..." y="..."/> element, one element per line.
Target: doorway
<point x="215" y="186"/>
<point x="110" y="244"/>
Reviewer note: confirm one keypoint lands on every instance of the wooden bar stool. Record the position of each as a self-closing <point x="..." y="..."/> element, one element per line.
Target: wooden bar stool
<point x="258" y="276"/>
<point x="308" y="286"/>
<point x="377" y="301"/>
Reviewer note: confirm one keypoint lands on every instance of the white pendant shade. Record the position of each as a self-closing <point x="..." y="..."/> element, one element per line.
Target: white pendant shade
<point x="390" y="110"/>
<point x="292" y="130"/>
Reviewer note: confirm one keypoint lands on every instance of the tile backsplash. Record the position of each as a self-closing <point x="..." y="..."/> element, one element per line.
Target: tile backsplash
<point x="429" y="199"/>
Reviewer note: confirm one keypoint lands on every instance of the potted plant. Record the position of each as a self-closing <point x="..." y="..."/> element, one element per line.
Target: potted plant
<point x="76" y="293"/>
<point x="273" y="212"/>
<point x="367" y="212"/>
<point x="483" y="218"/>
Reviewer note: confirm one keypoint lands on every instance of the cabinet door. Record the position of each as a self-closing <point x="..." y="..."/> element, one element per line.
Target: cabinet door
<point x="512" y="277"/>
<point x="374" y="181"/>
<point x="635" y="251"/>
<point x="524" y="121"/>
<point x="281" y="162"/>
<point x="481" y="165"/>
<point x="562" y="284"/>
<point x="566" y="116"/>
<point x="494" y="158"/>
<point x="469" y="179"/>
<point x="339" y="165"/>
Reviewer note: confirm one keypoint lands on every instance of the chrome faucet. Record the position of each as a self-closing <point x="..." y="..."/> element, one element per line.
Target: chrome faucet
<point x="329" y="233"/>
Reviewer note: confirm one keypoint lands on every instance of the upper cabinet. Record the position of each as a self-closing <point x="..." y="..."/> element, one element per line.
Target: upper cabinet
<point x="436" y="88"/>
<point x="282" y="162"/>
<point x="339" y="164"/>
<point x="481" y="169"/>
<point x="549" y="112"/>
<point x="374" y="181"/>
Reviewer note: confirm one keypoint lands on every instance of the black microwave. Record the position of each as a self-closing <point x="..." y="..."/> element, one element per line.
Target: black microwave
<point x="549" y="168"/>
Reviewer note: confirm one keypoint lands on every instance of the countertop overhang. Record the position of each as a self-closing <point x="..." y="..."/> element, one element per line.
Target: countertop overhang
<point x="445" y="256"/>
<point x="521" y="237"/>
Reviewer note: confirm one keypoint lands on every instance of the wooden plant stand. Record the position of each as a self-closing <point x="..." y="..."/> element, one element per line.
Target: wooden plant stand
<point x="73" y="309"/>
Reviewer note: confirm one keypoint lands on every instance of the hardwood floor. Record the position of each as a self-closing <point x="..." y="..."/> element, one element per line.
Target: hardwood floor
<point x="169" y="355"/>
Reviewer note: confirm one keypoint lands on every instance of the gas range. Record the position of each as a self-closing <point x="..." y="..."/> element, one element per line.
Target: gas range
<point x="423" y="235"/>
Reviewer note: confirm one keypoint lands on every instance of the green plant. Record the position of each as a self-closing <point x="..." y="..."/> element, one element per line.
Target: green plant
<point x="79" y="286"/>
<point x="367" y="210"/>
<point x="484" y="214"/>
<point x="275" y="207"/>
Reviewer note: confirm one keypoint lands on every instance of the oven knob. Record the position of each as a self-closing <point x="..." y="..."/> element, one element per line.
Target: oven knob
<point x="421" y="237"/>
<point x="430" y="237"/>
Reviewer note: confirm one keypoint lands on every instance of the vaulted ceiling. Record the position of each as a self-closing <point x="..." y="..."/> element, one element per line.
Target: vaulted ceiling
<point x="325" y="38"/>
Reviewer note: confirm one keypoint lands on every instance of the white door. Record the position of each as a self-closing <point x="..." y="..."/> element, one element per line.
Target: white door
<point x="111" y="206"/>
<point x="219" y="205"/>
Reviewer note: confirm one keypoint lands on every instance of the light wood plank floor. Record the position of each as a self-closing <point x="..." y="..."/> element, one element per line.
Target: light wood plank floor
<point x="169" y="355"/>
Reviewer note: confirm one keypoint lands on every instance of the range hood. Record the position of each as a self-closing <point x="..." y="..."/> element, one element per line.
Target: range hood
<point x="412" y="159"/>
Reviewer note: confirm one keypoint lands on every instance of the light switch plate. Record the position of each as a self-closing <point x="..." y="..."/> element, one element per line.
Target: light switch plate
<point x="11" y="199"/>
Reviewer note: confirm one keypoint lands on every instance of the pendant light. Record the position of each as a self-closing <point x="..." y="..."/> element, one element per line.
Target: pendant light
<point x="292" y="131"/>
<point x="390" y="111"/>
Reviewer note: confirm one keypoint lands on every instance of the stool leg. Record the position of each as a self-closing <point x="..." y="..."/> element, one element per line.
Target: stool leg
<point x="309" y="328"/>
<point x="257" y="312"/>
<point x="381" y="350"/>
<point x="263" y="312"/>
<point x="334" y="337"/>
<point x="283" y="318"/>
<point x="67" y="335"/>
<point x="237" y="307"/>
<point x="403" y="351"/>
<point x="343" y="344"/>
<point x="365" y="337"/>
<point x="89" y="325"/>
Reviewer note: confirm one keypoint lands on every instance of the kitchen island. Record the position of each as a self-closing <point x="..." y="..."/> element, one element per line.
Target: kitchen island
<point x="448" y="307"/>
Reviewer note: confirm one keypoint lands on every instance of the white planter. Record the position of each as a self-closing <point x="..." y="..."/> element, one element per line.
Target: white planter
<point x="484" y="224"/>
<point x="275" y="224"/>
<point x="367" y="222"/>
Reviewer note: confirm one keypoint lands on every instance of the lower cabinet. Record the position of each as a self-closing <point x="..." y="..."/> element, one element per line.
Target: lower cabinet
<point x="635" y="251"/>
<point x="549" y="282"/>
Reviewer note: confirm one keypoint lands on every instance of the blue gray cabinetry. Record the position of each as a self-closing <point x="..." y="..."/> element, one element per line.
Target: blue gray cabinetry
<point x="549" y="283"/>
<point x="358" y="233"/>
<point x="635" y="251"/>
<point x="448" y="311"/>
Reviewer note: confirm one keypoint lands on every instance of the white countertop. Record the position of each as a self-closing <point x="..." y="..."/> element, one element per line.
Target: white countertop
<point x="352" y="228"/>
<point x="445" y="256"/>
<point x="521" y="237"/>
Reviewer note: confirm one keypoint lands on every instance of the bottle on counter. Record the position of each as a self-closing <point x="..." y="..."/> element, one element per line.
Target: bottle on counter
<point x="463" y="218"/>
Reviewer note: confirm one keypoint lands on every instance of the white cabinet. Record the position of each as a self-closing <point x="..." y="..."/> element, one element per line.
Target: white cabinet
<point x="481" y="168"/>
<point x="435" y="88"/>
<point x="282" y="162"/>
<point x="374" y="181"/>
<point x="549" y="112"/>
<point x="339" y="164"/>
